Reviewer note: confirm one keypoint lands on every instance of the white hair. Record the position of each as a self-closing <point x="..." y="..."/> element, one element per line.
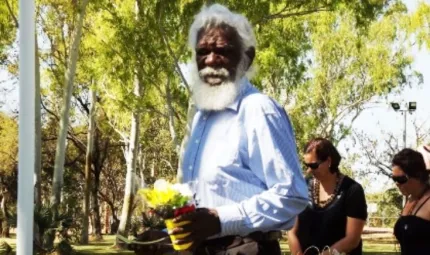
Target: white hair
<point x="215" y="15"/>
<point x="219" y="97"/>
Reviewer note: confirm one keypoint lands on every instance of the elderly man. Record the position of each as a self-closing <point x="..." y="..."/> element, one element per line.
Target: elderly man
<point x="241" y="157"/>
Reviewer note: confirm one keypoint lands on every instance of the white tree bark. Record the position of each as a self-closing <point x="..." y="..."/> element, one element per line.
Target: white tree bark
<point x="64" y="121"/>
<point x="142" y="165"/>
<point x="133" y="150"/>
<point x="88" y="163"/>
<point x="132" y="153"/>
<point x="171" y="114"/>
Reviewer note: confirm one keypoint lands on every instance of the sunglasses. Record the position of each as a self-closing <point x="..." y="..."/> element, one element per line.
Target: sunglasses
<point x="313" y="166"/>
<point x="401" y="179"/>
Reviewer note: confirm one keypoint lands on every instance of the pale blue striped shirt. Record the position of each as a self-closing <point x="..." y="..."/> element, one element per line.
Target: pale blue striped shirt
<point x="243" y="162"/>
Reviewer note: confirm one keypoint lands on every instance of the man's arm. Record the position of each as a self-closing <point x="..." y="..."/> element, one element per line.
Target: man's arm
<point x="273" y="159"/>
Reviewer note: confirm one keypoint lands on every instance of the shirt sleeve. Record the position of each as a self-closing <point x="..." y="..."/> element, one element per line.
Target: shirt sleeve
<point x="356" y="206"/>
<point x="274" y="161"/>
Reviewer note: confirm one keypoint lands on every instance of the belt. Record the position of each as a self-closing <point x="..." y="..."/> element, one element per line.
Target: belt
<point x="264" y="236"/>
<point x="257" y="236"/>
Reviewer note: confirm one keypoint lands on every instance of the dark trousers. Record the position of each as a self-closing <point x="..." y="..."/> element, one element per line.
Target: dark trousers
<point x="236" y="245"/>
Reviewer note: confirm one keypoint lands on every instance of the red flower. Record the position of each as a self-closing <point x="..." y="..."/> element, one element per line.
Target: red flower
<point x="184" y="210"/>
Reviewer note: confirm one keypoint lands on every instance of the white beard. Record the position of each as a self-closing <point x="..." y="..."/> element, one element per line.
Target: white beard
<point x="215" y="98"/>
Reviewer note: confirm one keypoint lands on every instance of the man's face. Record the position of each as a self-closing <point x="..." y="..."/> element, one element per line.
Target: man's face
<point x="218" y="49"/>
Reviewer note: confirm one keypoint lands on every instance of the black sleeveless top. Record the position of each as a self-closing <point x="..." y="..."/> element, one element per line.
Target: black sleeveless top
<point x="322" y="227"/>
<point x="413" y="233"/>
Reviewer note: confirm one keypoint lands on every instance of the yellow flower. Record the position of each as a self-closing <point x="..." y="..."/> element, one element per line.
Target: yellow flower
<point x="164" y="194"/>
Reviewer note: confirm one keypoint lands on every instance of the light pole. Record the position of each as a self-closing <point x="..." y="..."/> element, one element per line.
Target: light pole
<point x="404" y="108"/>
<point x="26" y="154"/>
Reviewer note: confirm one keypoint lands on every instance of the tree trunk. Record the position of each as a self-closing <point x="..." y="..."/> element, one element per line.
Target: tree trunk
<point x="107" y="216"/>
<point x="142" y="164"/>
<point x="97" y="231"/>
<point x="64" y="121"/>
<point x="5" y="223"/>
<point x="57" y="181"/>
<point x="171" y="114"/>
<point x="131" y="167"/>
<point x="37" y="143"/>
<point x="115" y="224"/>
<point x="88" y="163"/>
<point x="190" y="116"/>
<point x="132" y="153"/>
<point x="38" y="132"/>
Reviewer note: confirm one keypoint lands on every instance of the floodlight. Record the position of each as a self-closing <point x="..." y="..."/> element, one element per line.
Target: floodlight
<point x="396" y="106"/>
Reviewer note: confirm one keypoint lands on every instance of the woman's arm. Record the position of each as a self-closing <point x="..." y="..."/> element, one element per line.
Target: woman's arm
<point x="354" y="229"/>
<point x="293" y="241"/>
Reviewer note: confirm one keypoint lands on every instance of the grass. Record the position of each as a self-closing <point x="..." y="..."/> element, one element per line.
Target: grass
<point x="106" y="246"/>
<point x="372" y="246"/>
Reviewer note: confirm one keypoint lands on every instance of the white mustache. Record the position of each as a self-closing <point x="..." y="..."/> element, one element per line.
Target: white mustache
<point x="209" y="71"/>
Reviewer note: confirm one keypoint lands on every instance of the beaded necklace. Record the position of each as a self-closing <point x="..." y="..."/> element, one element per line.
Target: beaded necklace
<point x="316" y="192"/>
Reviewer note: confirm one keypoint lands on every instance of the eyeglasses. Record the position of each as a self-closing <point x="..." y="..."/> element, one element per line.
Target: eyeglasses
<point x="313" y="166"/>
<point x="401" y="179"/>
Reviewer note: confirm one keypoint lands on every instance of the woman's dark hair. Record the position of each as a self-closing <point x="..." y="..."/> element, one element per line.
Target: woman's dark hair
<point x="412" y="163"/>
<point x="324" y="149"/>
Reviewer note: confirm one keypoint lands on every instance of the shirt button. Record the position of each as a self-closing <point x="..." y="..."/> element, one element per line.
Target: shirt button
<point x="190" y="167"/>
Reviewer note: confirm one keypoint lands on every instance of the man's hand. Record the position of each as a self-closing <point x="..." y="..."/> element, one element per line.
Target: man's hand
<point x="204" y="223"/>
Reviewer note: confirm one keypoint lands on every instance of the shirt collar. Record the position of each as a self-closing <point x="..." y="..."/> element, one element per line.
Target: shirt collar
<point x="244" y="88"/>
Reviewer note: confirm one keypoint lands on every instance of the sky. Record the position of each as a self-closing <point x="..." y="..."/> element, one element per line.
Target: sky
<point x="372" y="122"/>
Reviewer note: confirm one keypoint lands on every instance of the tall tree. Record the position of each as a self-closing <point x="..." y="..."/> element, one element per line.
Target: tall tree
<point x="57" y="181"/>
<point x="131" y="155"/>
<point x="133" y="146"/>
<point x="88" y="164"/>
<point x="67" y="96"/>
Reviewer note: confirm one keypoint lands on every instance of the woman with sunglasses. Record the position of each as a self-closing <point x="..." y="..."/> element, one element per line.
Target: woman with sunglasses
<point x="412" y="229"/>
<point x="337" y="212"/>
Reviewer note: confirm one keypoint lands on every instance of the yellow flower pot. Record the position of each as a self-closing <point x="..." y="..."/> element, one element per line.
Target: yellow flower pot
<point x="170" y="226"/>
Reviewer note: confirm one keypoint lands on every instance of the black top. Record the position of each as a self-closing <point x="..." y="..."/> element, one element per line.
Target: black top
<point x="322" y="227"/>
<point x="413" y="233"/>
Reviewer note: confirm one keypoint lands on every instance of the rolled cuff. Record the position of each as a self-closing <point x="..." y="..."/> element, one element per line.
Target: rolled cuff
<point x="232" y="220"/>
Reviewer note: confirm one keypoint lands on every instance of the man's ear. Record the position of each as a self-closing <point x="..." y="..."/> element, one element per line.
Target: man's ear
<point x="251" y="55"/>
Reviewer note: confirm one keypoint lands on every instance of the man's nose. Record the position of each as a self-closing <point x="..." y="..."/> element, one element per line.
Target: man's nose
<point x="211" y="59"/>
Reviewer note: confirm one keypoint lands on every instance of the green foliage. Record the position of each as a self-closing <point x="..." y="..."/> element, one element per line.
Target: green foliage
<point x="5" y="248"/>
<point x="347" y="70"/>
<point x="389" y="204"/>
<point x="47" y="224"/>
<point x="8" y="145"/>
<point x="418" y="25"/>
<point x="152" y="221"/>
<point x="8" y="28"/>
